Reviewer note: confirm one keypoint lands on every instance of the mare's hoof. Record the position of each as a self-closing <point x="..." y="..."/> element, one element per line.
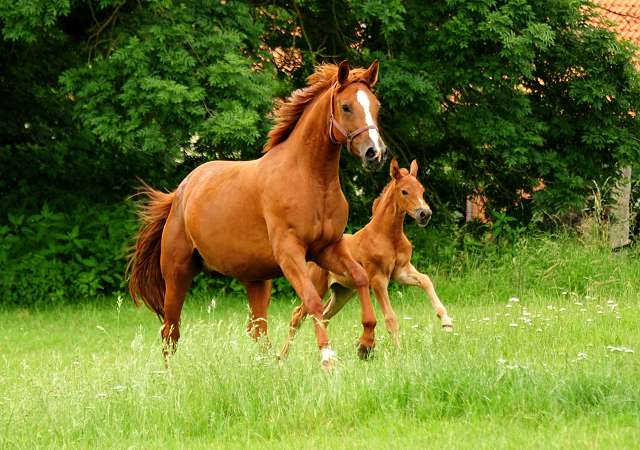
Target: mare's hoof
<point x="365" y="353"/>
<point x="330" y="365"/>
<point x="447" y="327"/>
<point x="329" y="362"/>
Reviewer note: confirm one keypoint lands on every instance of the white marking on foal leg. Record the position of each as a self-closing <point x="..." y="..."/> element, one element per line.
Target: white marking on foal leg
<point x="364" y="101"/>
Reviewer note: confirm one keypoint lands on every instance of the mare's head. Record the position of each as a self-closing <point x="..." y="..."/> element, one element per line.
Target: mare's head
<point x="409" y="192"/>
<point x="355" y="114"/>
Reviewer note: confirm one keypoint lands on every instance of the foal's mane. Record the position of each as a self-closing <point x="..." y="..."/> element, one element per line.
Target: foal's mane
<point x="377" y="201"/>
<point x="289" y="114"/>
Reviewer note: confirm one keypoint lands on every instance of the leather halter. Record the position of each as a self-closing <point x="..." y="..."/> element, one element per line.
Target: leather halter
<point x="334" y="123"/>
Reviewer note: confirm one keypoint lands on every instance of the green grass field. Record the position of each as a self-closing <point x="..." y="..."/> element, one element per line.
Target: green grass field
<point x="557" y="369"/>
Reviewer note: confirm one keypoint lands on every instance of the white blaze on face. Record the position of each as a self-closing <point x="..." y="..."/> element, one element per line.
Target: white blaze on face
<point x="421" y="201"/>
<point x="364" y="101"/>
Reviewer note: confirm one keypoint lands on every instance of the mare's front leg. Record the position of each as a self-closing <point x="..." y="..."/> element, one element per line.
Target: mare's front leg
<point x="259" y="293"/>
<point x="337" y="259"/>
<point x="409" y="276"/>
<point x="320" y="280"/>
<point x="290" y="256"/>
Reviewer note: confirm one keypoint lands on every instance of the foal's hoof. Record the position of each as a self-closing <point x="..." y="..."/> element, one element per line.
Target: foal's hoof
<point x="365" y="353"/>
<point x="447" y="327"/>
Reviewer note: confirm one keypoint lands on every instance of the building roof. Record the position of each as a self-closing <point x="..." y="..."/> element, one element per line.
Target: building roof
<point x="626" y="13"/>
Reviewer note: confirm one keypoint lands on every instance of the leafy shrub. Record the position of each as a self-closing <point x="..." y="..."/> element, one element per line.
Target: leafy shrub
<point x="52" y="257"/>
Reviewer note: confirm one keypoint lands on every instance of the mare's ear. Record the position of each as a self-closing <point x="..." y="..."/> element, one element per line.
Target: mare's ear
<point x="414" y="168"/>
<point x="372" y="73"/>
<point x="394" y="170"/>
<point x="343" y="72"/>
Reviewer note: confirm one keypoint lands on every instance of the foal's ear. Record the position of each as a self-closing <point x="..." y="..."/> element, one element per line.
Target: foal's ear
<point x="414" y="168"/>
<point x="394" y="170"/>
<point x="343" y="72"/>
<point x="371" y="75"/>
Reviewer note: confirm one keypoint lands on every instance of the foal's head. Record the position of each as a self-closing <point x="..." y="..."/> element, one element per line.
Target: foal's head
<point x="355" y="107"/>
<point x="409" y="192"/>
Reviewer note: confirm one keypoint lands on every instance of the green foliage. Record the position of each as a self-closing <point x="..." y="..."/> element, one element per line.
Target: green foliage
<point x="25" y="19"/>
<point x="54" y="258"/>
<point x="498" y="95"/>
<point x="184" y="78"/>
<point x="501" y="227"/>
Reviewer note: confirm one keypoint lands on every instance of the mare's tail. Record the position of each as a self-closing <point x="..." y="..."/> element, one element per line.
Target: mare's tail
<point x="143" y="270"/>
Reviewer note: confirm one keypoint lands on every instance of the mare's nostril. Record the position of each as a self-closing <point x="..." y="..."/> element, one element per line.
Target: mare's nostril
<point x="370" y="154"/>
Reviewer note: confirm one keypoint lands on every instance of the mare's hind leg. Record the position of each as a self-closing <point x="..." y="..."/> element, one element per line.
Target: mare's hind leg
<point x="409" y="276"/>
<point x="179" y="266"/>
<point x="259" y="293"/>
<point x="320" y="280"/>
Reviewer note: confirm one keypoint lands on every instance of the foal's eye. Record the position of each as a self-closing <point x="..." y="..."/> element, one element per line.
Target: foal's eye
<point x="403" y="192"/>
<point x="345" y="108"/>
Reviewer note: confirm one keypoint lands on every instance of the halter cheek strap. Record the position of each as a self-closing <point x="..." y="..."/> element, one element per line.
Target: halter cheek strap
<point x="334" y="123"/>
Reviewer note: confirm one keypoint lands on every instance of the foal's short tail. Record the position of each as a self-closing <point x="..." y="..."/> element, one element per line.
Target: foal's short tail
<point x="145" y="277"/>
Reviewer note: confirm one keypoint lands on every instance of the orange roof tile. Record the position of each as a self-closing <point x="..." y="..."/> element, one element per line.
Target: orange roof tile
<point x="626" y="13"/>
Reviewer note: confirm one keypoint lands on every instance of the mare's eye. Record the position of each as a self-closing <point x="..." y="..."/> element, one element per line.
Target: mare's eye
<point x="345" y="108"/>
<point x="403" y="192"/>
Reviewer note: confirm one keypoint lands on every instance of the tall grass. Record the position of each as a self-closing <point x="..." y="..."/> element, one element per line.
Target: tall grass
<point x="556" y="369"/>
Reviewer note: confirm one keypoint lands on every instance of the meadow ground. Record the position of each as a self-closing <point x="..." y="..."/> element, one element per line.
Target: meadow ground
<point x="559" y="368"/>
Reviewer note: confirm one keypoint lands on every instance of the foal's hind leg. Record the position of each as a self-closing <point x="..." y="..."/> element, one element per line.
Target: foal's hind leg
<point x="340" y="296"/>
<point x="259" y="293"/>
<point x="409" y="276"/>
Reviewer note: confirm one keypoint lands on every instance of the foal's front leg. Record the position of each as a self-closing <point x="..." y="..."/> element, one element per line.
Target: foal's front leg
<point x="380" y="286"/>
<point x="409" y="276"/>
<point x="338" y="260"/>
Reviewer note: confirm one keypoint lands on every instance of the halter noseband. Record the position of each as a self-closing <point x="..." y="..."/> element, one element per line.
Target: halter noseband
<point x="334" y="123"/>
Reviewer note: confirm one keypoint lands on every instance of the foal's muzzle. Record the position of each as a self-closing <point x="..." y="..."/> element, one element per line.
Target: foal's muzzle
<point x="422" y="216"/>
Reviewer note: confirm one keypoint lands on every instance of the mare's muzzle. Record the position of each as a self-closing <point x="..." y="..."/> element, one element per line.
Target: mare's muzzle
<point x="373" y="156"/>
<point x="422" y="216"/>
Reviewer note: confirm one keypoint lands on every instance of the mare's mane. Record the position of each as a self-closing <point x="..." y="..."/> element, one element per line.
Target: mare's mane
<point x="377" y="201"/>
<point x="289" y="114"/>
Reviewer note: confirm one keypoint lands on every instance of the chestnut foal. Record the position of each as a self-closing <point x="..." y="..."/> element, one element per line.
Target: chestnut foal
<point x="384" y="252"/>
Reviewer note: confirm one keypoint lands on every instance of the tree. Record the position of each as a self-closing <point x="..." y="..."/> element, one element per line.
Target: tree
<point x="497" y="95"/>
<point x="186" y="79"/>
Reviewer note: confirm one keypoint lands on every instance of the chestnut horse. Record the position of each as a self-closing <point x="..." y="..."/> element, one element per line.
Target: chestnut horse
<point x="384" y="252"/>
<point x="262" y="219"/>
